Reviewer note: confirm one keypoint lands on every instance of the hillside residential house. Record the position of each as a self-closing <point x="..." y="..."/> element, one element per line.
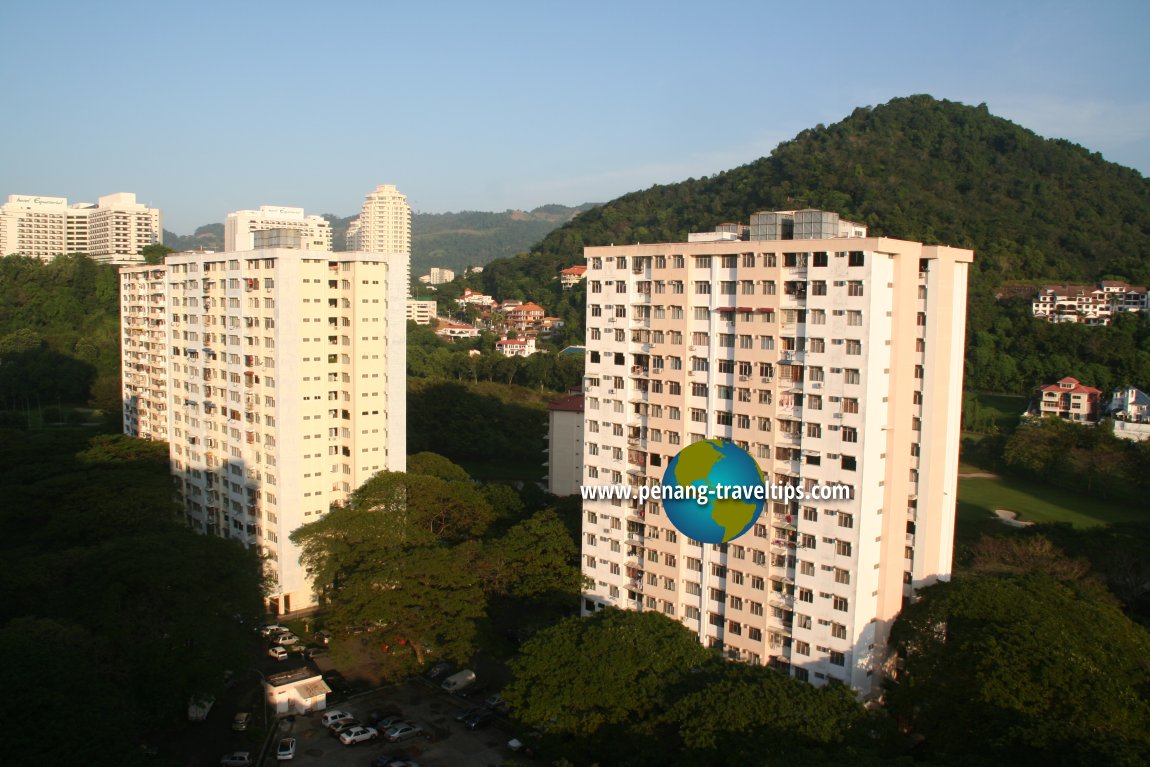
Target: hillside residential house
<point x="472" y="297"/>
<point x="528" y="316"/>
<point x="572" y="276"/>
<point x="1130" y="409"/>
<point x="453" y="330"/>
<point x="1069" y="400"/>
<point x="516" y="347"/>
<point x="1089" y="304"/>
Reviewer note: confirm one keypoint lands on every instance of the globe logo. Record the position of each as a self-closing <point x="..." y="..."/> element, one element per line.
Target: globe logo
<point x="713" y="491"/>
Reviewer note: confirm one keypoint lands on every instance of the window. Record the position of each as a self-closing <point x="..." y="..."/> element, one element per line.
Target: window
<point x="850" y="405"/>
<point x="854" y="288"/>
<point x="838" y="631"/>
<point x="854" y="317"/>
<point x="854" y="346"/>
<point x="851" y="376"/>
<point x="842" y="576"/>
<point x="850" y="434"/>
<point x="806" y="595"/>
<point x="846" y="520"/>
<point x="802" y="648"/>
<point x="856" y="258"/>
<point x="841" y="604"/>
<point x="837" y="658"/>
<point x="849" y="463"/>
<point x="843" y="548"/>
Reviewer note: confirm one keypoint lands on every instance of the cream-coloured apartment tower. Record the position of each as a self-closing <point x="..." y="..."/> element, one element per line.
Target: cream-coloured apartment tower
<point x="114" y="230"/>
<point x="144" y="345"/>
<point x="285" y="389"/>
<point x="383" y="226"/>
<point x="240" y="227"/>
<point x="830" y="356"/>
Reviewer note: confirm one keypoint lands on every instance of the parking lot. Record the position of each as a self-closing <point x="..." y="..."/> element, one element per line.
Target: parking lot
<point x="451" y="744"/>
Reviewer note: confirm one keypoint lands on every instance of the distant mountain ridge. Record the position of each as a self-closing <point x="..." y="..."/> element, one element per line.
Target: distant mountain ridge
<point x="448" y="240"/>
<point x="934" y="171"/>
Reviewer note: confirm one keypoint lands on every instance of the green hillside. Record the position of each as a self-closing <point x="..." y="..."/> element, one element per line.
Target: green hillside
<point x="935" y="171"/>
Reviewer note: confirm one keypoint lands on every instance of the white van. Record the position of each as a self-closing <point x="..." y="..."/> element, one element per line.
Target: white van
<point x="459" y="680"/>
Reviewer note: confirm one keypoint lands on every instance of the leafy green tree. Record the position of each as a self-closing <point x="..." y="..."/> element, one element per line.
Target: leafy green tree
<point x="400" y="556"/>
<point x="1022" y="669"/>
<point x="613" y="668"/>
<point x="536" y="558"/>
<point x="154" y="254"/>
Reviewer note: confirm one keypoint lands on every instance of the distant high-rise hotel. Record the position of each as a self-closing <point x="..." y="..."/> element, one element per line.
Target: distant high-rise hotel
<point x="384" y="226"/>
<point x="277" y="376"/>
<point x="833" y="358"/>
<point x="241" y="226"/>
<point x="114" y="230"/>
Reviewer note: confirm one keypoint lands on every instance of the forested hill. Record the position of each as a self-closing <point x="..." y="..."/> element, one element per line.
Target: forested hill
<point x="920" y="169"/>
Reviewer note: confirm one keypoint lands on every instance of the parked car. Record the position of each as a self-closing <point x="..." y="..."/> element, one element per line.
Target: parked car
<point x="459" y="680"/>
<point x="241" y="721"/>
<point x="272" y="630"/>
<point x="393" y="760"/>
<point x="480" y="719"/>
<point x="237" y="759"/>
<point x="286" y="640"/>
<point x="278" y="653"/>
<point x="497" y="703"/>
<point x="353" y="735"/>
<point x="403" y="731"/>
<point x="440" y="669"/>
<point x="525" y="744"/>
<point x="382" y="722"/>
<point x="467" y="713"/>
<point x="335" y="729"/>
<point x="314" y="652"/>
<point x="334" y="715"/>
<point x="322" y="637"/>
<point x="286" y="749"/>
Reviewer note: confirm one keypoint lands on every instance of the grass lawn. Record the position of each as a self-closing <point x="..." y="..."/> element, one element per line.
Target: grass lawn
<point x="1035" y="502"/>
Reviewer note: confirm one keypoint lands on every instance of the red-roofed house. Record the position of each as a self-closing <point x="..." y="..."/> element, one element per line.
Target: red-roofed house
<point x="453" y="330"/>
<point x="1069" y="400"/>
<point x="524" y="316"/>
<point x="516" y="347"/>
<point x="565" y="445"/>
<point x="571" y="276"/>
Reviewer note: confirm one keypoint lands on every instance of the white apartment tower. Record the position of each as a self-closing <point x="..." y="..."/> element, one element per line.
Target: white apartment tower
<point x="114" y="230"/>
<point x="284" y="383"/>
<point x="832" y="358"/>
<point x="383" y="226"/>
<point x="240" y="227"/>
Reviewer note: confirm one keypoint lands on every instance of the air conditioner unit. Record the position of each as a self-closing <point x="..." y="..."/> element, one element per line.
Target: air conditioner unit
<point x="744" y="378"/>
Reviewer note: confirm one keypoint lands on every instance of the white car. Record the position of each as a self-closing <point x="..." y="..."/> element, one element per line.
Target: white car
<point x="354" y="735"/>
<point x="286" y="749"/>
<point x="237" y="759"/>
<point x="278" y="653"/>
<point x="272" y="630"/>
<point x="287" y="639"/>
<point x="331" y="717"/>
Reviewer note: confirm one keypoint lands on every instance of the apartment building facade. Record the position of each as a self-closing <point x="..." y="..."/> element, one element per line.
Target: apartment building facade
<point x="383" y="226"/>
<point x="833" y="358"/>
<point x="1089" y="304"/>
<point x="114" y="230"/>
<point x="240" y="227"/>
<point x="285" y="383"/>
<point x="144" y="345"/>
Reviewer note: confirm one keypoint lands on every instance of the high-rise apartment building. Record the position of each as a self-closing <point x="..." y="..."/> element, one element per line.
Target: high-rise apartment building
<point x="383" y="226"/>
<point x="240" y="227"/>
<point x="114" y="230"/>
<point x="283" y="389"/>
<point x="833" y="358"/>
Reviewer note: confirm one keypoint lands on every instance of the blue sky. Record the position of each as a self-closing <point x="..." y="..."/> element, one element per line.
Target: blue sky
<point x="202" y="108"/>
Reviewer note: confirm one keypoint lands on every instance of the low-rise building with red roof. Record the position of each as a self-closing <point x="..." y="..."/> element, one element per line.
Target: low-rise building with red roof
<point x="1070" y="400"/>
